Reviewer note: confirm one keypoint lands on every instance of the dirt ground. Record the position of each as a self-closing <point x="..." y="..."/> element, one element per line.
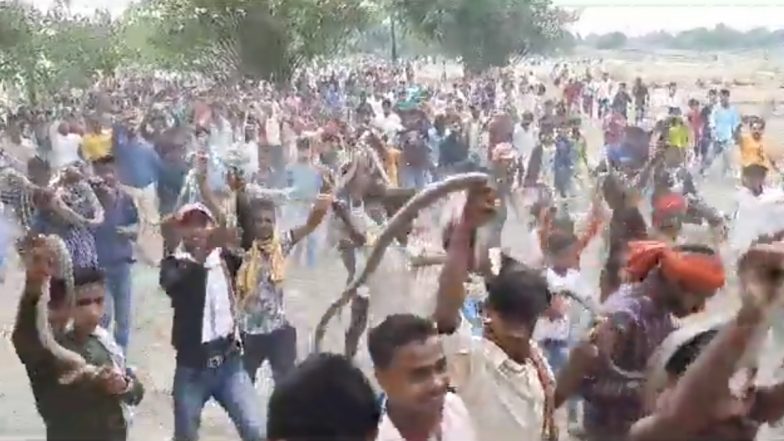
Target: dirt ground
<point x="307" y="294"/>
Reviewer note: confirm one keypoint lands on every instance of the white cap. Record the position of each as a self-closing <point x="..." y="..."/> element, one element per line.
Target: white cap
<point x="195" y="206"/>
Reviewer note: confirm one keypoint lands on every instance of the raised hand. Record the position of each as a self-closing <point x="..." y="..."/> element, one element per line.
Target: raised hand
<point x="481" y="206"/>
<point x="761" y="272"/>
<point x="39" y="259"/>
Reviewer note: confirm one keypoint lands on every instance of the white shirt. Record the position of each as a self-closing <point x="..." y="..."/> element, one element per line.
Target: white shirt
<point x="605" y="90"/>
<point x="455" y="424"/>
<point x="675" y="100"/>
<point x="217" y="318"/>
<point x="221" y="138"/>
<point x="250" y="153"/>
<point x="524" y="140"/>
<point x="272" y="130"/>
<point x="559" y="329"/>
<point x="65" y="149"/>
<point x="505" y="399"/>
<point x="755" y="216"/>
<point x="390" y="124"/>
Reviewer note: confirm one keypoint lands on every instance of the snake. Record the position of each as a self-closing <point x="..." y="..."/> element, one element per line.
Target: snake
<point x="76" y="366"/>
<point x="392" y="229"/>
<point x="13" y="178"/>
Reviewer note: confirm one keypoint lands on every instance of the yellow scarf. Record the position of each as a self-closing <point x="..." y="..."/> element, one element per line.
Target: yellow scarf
<point x="248" y="274"/>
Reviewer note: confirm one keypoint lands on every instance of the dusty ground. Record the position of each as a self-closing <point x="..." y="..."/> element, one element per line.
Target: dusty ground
<point x="308" y="293"/>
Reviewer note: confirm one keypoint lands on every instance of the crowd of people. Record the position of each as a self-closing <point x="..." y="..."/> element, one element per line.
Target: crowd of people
<point x="411" y="181"/>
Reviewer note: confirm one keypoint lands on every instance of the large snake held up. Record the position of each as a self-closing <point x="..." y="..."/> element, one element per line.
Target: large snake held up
<point x="13" y="179"/>
<point x="400" y="220"/>
<point x="75" y="365"/>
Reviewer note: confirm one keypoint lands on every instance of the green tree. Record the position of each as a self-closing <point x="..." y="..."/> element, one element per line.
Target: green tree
<point x="257" y="38"/>
<point x="486" y="33"/>
<point x="43" y="52"/>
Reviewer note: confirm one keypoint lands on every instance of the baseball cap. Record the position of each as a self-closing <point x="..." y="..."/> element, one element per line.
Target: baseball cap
<point x="188" y="210"/>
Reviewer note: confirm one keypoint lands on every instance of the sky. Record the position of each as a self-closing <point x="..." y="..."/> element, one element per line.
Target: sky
<point x="633" y="17"/>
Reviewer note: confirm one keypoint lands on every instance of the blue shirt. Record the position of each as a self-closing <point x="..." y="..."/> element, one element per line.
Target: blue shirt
<point x="171" y="177"/>
<point x="725" y="120"/>
<point x="305" y="179"/>
<point x="112" y="247"/>
<point x="565" y="153"/>
<point x="138" y="164"/>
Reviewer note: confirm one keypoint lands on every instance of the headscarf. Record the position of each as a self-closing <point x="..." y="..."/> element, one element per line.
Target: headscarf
<point x="667" y="206"/>
<point x="248" y="274"/>
<point x="697" y="272"/>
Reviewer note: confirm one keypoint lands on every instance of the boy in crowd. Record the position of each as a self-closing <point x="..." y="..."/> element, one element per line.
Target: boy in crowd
<point x="89" y="408"/>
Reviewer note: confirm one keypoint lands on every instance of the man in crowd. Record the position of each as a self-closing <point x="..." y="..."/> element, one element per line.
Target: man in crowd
<point x="138" y="168"/>
<point x="725" y="124"/>
<point x="665" y="282"/>
<point x="697" y="395"/>
<point x="641" y="100"/>
<point x="502" y="376"/>
<point x="114" y="240"/>
<point x="96" y="143"/>
<point x="198" y="279"/>
<point x="411" y="368"/>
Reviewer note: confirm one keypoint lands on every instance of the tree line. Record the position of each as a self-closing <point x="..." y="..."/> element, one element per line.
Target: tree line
<point x="721" y="37"/>
<point x="45" y="51"/>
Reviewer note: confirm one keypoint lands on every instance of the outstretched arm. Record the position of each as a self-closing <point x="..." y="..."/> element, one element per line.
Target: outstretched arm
<point x="316" y="215"/>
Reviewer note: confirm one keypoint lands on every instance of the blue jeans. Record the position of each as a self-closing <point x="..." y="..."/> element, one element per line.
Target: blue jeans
<point x="412" y="177"/>
<point x="557" y="354"/>
<point x="719" y="149"/>
<point x="230" y="386"/>
<point x="118" y="302"/>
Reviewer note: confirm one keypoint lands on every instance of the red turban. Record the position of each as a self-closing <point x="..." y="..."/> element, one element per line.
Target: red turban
<point x="696" y="272"/>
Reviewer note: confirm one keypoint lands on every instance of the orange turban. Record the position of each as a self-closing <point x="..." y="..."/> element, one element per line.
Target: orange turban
<point x="698" y="273"/>
<point x="666" y="206"/>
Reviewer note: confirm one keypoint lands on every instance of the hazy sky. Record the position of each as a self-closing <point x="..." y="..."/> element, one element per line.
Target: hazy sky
<point x="633" y="17"/>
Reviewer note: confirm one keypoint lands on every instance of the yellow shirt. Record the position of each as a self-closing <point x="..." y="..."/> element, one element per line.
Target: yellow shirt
<point x="752" y="151"/>
<point x="678" y="136"/>
<point x="95" y="146"/>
